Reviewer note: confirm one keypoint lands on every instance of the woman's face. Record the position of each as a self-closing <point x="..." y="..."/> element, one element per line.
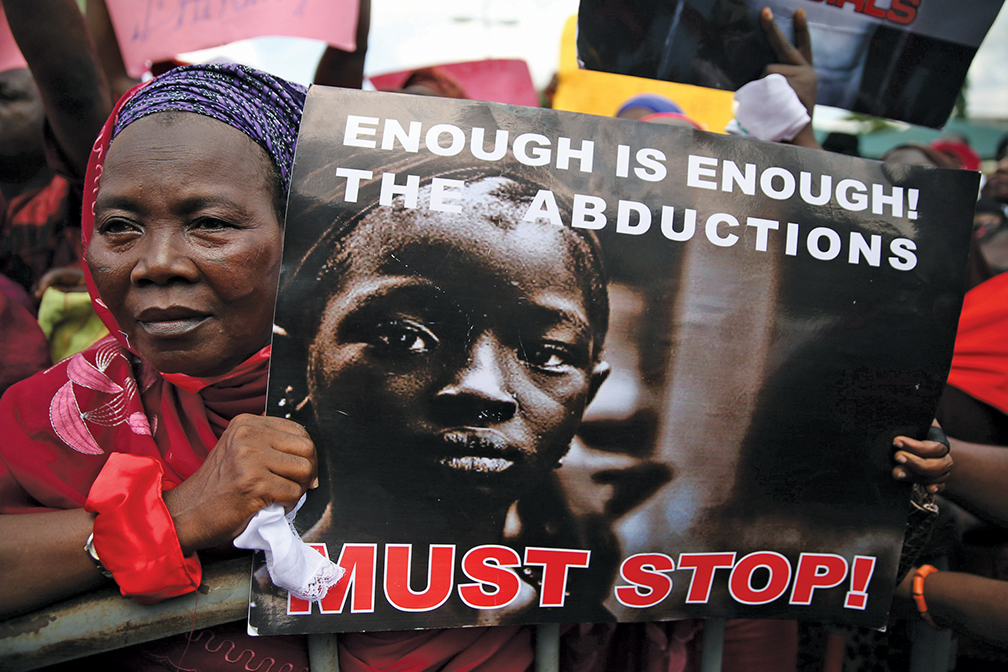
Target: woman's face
<point x="454" y="359"/>
<point x="186" y="249"/>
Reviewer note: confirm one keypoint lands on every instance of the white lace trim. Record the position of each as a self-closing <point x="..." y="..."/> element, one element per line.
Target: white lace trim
<point x="325" y="577"/>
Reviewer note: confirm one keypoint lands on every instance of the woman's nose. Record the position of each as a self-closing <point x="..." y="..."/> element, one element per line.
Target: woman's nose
<point x="479" y="392"/>
<point x="162" y="260"/>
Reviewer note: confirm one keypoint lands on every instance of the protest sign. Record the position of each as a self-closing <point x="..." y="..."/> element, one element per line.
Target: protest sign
<point x="10" y="55"/>
<point x="902" y="59"/>
<point x="753" y="324"/>
<point x="159" y="30"/>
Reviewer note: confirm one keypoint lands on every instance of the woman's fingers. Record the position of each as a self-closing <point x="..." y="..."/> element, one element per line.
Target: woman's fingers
<point x="925" y="449"/>
<point x="289" y="450"/>
<point x="923" y="470"/>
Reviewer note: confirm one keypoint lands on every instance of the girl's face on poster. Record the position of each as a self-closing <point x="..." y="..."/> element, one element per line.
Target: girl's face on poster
<point x="455" y="356"/>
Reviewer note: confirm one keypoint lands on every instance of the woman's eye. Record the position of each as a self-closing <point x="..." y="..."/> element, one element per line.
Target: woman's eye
<point x="211" y="224"/>
<point x="117" y="225"/>
<point x="404" y="337"/>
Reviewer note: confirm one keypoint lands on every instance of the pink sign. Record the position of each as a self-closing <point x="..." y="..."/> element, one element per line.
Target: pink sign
<point x="158" y="30"/>
<point x="496" y="81"/>
<point x="10" y="55"/>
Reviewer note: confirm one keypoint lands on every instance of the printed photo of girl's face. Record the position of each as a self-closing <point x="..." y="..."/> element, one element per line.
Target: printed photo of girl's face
<point x="457" y="351"/>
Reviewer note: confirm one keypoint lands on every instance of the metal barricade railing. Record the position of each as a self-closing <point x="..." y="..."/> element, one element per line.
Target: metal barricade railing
<point x="104" y="620"/>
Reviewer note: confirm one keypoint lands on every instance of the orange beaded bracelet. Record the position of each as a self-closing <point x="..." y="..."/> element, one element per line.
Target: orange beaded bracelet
<point x="918" y="593"/>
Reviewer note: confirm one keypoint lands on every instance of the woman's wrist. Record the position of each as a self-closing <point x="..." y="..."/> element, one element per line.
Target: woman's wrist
<point x="195" y="533"/>
<point x="93" y="554"/>
<point x="182" y="518"/>
<point x="57" y="536"/>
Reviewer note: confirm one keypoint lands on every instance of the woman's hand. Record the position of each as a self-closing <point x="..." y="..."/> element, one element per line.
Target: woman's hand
<point x="927" y="462"/>
<point x="257" y="462"/>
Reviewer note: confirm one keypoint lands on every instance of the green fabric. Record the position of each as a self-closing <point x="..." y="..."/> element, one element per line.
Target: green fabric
<point x="68" y="321"/>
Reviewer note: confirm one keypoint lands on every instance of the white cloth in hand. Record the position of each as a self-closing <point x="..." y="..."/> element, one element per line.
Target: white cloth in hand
<point x="768" y="109"/>
<point x="292" y="564"/>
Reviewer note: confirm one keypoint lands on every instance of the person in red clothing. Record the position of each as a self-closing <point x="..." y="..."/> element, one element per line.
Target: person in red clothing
<point x="48" y="121"/>
<point x="974" y="405"/>
<point x="140" y="441"/>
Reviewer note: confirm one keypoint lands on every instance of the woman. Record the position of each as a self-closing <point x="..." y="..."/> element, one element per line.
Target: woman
<point x="183" y="230"/>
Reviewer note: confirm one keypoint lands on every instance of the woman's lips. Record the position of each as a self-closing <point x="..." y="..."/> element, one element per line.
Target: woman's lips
<point x="170" y="322"/>
<point x="169" y="328"/>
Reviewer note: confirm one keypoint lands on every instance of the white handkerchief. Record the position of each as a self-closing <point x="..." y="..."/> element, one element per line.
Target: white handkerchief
<point x="292" y="564"/>
<point x="768" y="109"/>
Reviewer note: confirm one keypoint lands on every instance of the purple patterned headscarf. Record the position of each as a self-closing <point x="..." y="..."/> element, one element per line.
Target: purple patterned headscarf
<point x="262" y="106"/>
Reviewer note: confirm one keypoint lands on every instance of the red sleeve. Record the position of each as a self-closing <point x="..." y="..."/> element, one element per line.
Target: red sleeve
<point x="34" y="462"/>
